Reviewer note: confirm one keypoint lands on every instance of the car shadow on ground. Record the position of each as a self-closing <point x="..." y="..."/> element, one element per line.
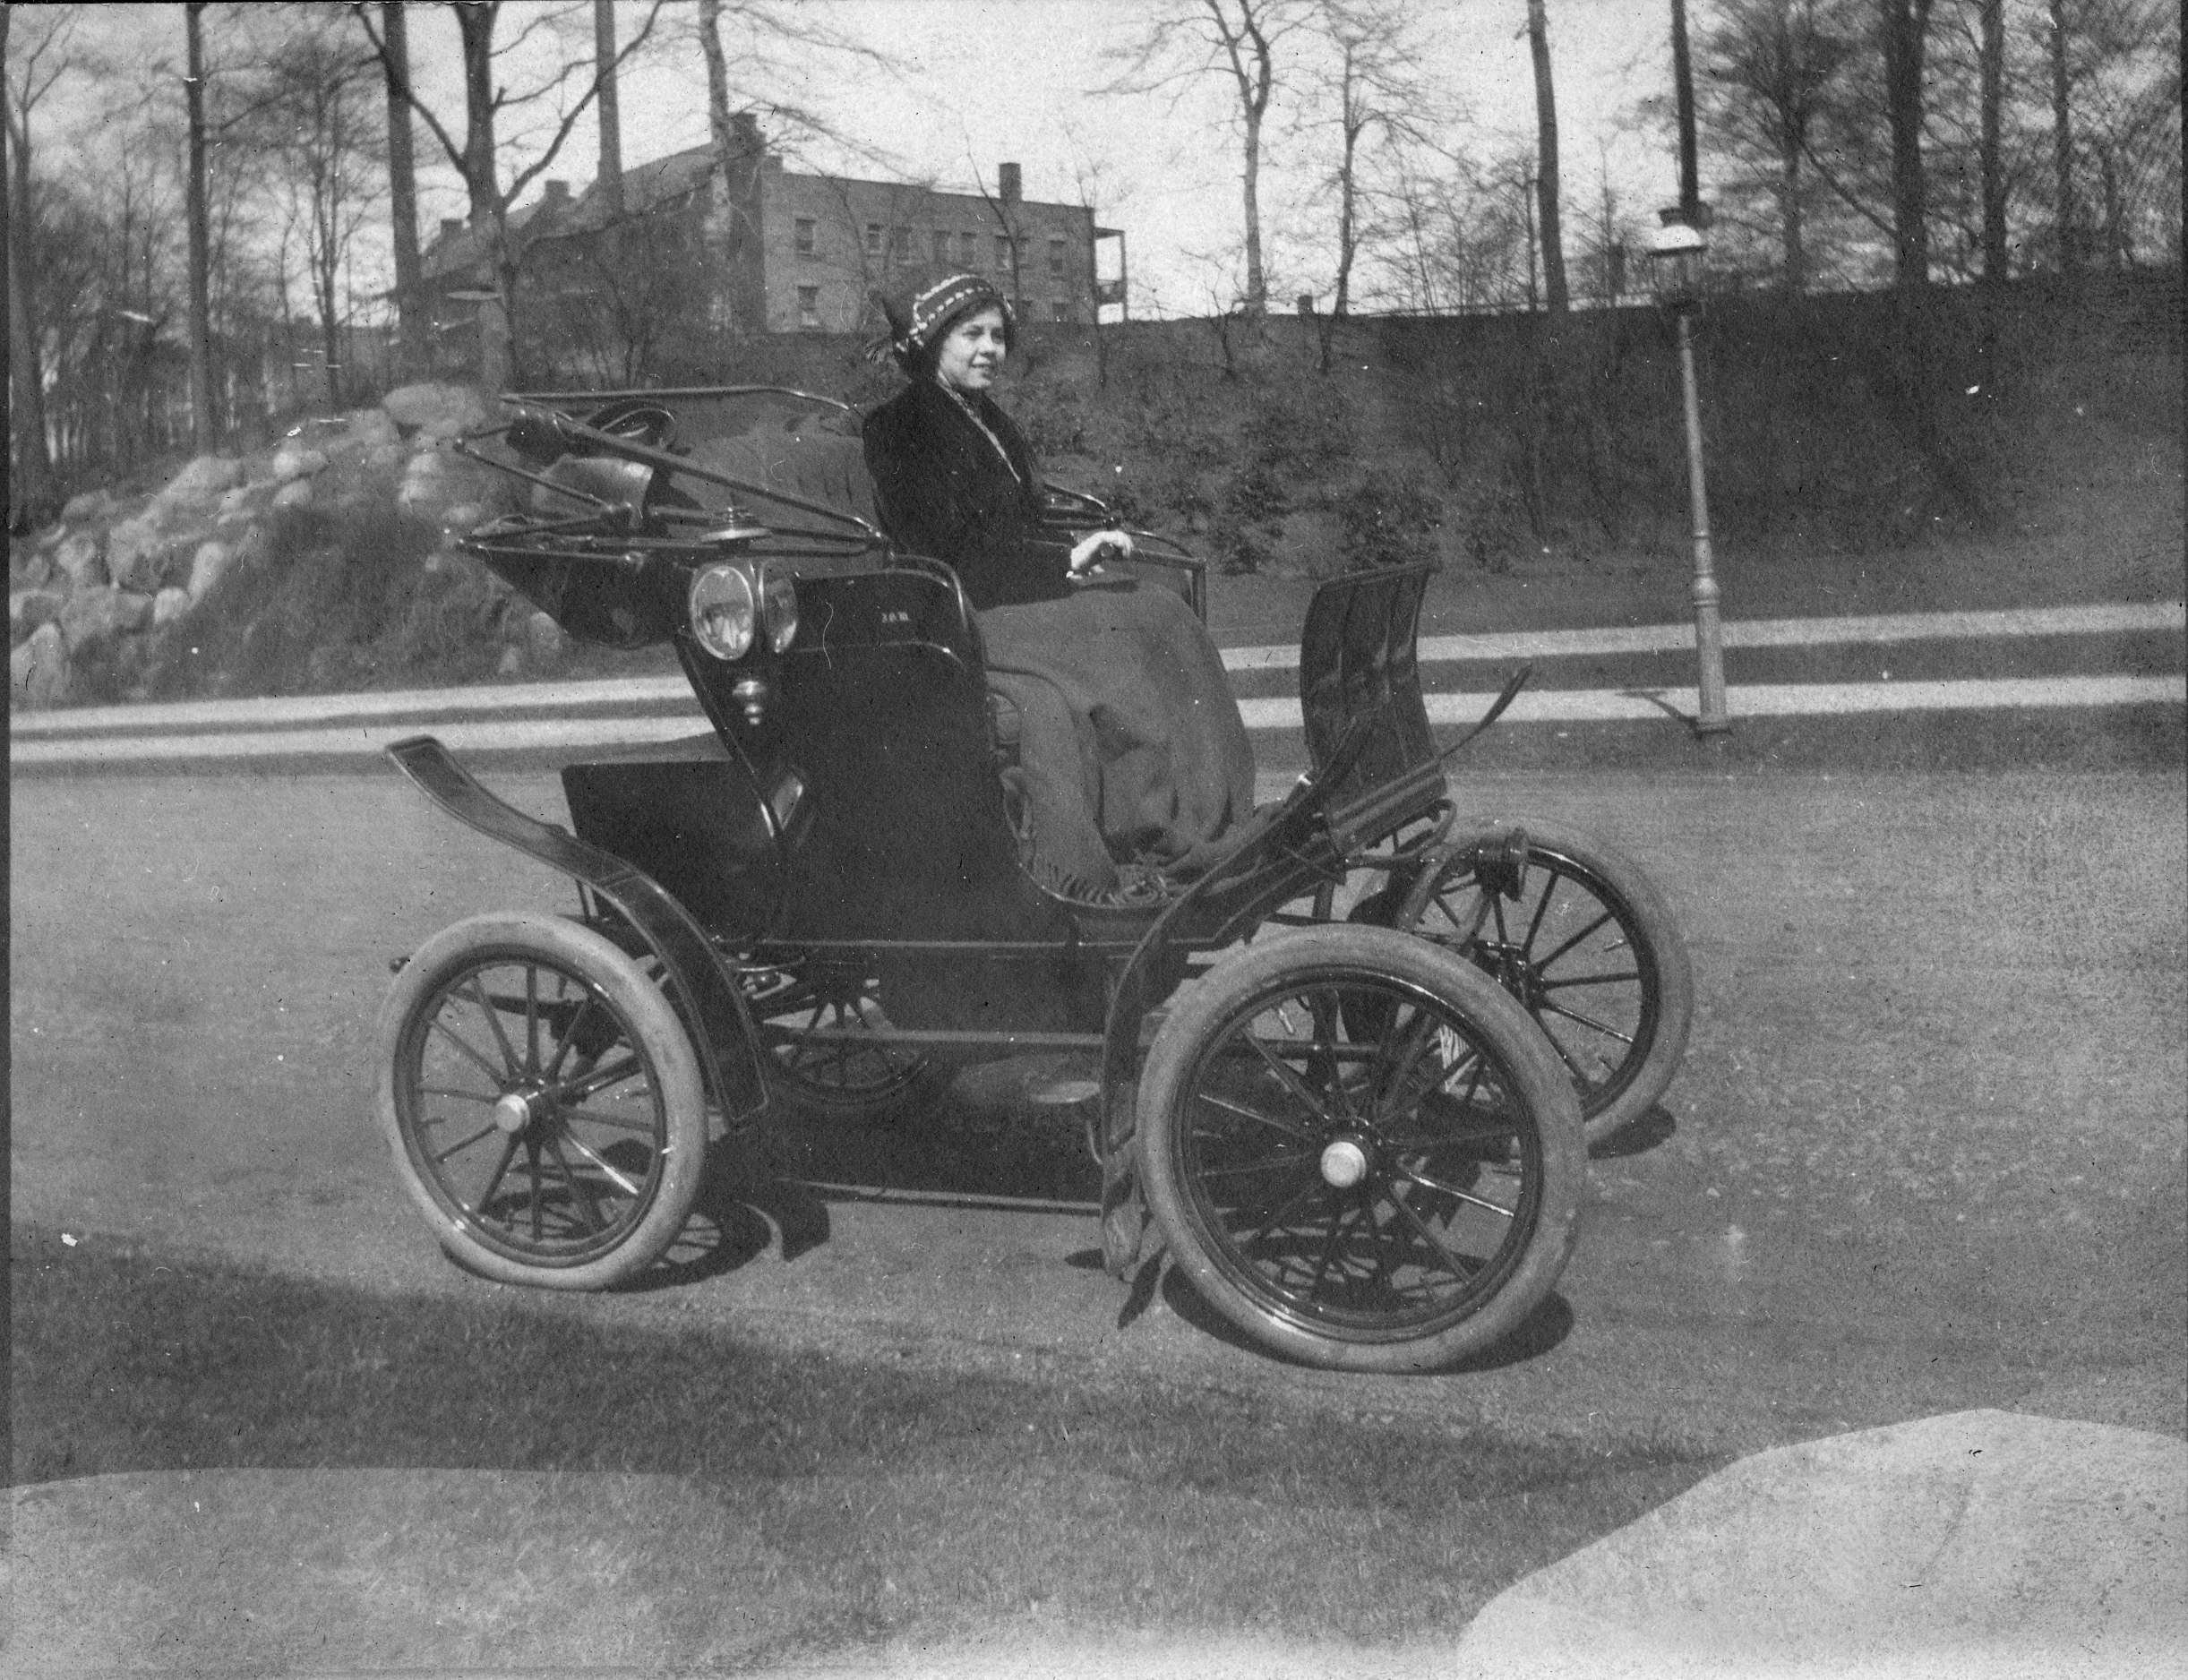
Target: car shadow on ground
<point x="778" y="1183"/>
<point x="1652" y="1130"/>
<point x="1541" y="1330"/>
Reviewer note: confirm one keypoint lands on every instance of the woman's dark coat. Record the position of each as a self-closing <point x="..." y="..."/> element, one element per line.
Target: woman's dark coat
<point x="944" y="491"/>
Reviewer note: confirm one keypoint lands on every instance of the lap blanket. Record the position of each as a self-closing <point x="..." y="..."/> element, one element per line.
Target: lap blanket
<point x="1132" y="758"/>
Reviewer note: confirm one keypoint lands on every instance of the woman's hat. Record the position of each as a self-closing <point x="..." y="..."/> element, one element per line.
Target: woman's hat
<point x="919" y="310"/>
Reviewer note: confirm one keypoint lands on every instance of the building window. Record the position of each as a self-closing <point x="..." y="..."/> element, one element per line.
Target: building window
<point x="968" y="251"/>
<point x="873" y="239"/>
<point x="941" y="250"/>
<point x="809" y="305"/>
<point x="900" y="243"/>
<point x="1056" y="258"/>
<point x="1002" y="254"/>
<point x="1060" y="310"/>
<point x="805" y="236"/>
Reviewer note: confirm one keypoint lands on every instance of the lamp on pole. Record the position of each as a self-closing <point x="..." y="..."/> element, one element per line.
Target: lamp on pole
<point x="1676" y="249"/>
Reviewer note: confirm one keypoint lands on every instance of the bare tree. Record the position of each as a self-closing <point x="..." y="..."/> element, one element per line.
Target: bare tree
<point x="35" y="61"/>
<point x="403" y="196"/>
<point x="1991" y="146"/>
<point x="1546" y="148"/>
<point x="491" y="193"/>
<point x="1906" y="25"/>
<point x="770" y="50"/>
<point x="311" y="122"/>
<point x="2115" y="104"/>
<point x="1373" y="95"/>
<point x="1193" y="38"/>
<point x="1770" y="67"/>
<point x="201" y="256"/>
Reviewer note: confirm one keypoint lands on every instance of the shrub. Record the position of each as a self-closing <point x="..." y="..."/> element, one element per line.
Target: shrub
<point x="1385" y="520"/>
<point x="1241" y="553"/>
<point x="1258" y="493"/>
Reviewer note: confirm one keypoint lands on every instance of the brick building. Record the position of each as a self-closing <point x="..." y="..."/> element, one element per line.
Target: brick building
<point x="775" y="250"/>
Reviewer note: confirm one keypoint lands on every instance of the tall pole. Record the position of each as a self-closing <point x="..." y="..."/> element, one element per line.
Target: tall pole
<point x="1682" y="87"/>
<point x="1710" y="718"/>
<point x="201" y="306"/>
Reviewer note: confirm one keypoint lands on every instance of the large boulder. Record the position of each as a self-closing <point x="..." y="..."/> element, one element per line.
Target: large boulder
<point x="373" y="428"/>
<point x="29" y="564"/>
<point x="27" y="609"/>
<point x="206" y="567"/>
<point x="81" y="559"/>
<point x="296" y="461"/>
<point x="132" y="611"/>
<point x="203" y="479"/>
<point x="438" y="410"/>
<point x="140" y="551"/>
<point x="193" y="497"/>
<point x="169" y="605"/>
<point x="240" y="505"/>
<point x="545" y="641"/>
<point x="296" y="493"/>
<point x="436" y="484"/>
<point x="38" y="671"/>
<point x="96" y="615"/>
<point x="93" y="507"/>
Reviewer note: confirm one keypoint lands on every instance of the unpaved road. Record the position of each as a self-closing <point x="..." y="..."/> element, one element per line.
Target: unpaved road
<point x="1925" y="1154"/>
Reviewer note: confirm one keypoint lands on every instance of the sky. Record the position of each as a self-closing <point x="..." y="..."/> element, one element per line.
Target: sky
<point x="976" y="82"/>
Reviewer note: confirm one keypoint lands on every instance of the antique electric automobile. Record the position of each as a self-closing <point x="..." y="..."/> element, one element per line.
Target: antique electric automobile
<point x="1350" y="1070"/>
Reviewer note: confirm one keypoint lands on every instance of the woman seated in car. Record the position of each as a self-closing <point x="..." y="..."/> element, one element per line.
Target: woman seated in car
<point x="1134" y="759"/>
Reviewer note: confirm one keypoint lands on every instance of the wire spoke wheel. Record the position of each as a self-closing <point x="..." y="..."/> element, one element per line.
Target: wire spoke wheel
<point x="826" y="1060"/>
<point x="1385" y="1199"/>
<point x="543" y="1103"/>
<point x="1590" y="950"/>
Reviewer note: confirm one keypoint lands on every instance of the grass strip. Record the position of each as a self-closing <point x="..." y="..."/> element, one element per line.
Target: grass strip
<point x="852" y="1501"/>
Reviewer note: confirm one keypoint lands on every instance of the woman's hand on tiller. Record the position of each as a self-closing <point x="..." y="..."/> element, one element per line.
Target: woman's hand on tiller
<point x="1089" y="552"/>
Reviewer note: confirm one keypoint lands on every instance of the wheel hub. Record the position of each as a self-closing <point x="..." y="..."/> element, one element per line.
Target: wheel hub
<point x="1508" y="967"/>
<point x="520" y="1111"/>
<point x="1344" y="1162"/>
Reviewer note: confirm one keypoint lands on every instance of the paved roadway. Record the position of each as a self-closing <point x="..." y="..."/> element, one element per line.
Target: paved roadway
<point x="1924" y="1154"/>
<point x="2065" y="685"/>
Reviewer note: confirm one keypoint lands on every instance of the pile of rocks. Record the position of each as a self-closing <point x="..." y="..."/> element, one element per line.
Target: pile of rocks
<point x="117" y="567"/>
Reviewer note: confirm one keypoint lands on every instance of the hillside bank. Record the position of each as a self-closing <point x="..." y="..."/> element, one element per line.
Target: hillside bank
<point x="2021" y="446"/>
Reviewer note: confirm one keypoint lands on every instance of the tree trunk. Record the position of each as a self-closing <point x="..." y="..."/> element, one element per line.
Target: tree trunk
<point x="2117" y="254"/>
<point x="496" y="361"/>
<point x="32" y="493"/>
<point x="1546" y="177"/>
<point x="202" y="429"/>
<point x="1527" y="212"/>
<point x="414" y="337"/>
<point x="728" y="160"/>
<point x="2063" y="143"/>
<point x="1257" y="282"/>
<point x="1326" y="329"/>
<point x="610" y="113"/>
<point x="1789" y="215"/>
<point x="1991" y="48"/>
<point x="1906" y="25"/>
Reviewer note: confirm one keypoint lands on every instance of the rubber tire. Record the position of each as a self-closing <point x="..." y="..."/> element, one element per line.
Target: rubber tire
<point x="659" y="1034"/>
<point x="1659" y="931"/>
<point x="1200" y="1009"/>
